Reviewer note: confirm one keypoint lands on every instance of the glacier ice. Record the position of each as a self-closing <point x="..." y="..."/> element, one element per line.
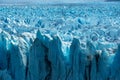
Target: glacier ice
<point x="60" y="42"/>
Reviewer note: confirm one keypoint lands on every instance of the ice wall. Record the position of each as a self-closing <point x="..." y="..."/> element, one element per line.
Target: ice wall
<point x="59" y="43"/>
<point x="45" y="60"/>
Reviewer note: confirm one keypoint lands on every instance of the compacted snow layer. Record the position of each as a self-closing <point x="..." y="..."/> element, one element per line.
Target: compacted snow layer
<point x="66" y="42"/>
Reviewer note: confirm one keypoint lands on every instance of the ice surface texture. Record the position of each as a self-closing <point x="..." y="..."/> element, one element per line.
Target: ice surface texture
<point x="77" y="42"/>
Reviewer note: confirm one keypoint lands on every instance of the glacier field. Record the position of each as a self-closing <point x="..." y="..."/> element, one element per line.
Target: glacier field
<point x="60" y="42"/>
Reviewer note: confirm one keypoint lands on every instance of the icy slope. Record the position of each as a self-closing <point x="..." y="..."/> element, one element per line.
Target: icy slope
<point x="77" y="42"/>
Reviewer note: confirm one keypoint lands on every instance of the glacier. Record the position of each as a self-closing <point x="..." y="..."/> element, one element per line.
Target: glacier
<point x="60" y="42"/>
